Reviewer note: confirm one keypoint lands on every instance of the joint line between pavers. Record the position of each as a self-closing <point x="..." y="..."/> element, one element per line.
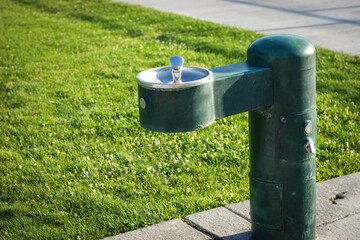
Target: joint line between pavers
<point x="240" y="215"/>
<point x="200" y="229"/>
<point x="337" y="219"/>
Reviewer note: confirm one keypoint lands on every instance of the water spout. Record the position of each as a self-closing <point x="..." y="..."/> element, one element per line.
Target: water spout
<point x="177" y="63"/>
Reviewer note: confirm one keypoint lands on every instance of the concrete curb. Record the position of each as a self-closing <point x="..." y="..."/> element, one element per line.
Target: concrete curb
<point x="337" y="215"/>
<point x="173" y="229"/>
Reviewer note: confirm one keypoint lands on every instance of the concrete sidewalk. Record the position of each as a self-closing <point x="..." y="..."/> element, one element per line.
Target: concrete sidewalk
<point x="336" y="217"/>
<point x="330" y="24"/>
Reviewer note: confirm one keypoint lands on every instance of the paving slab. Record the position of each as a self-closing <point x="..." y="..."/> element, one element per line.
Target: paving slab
<point x="242" y="209"/>
<point x="331" y="24"/>
<point x="174" y="229"/>
<point x="346" y="203"/>
<point x="221" y="223"/>
<point x="347" y="228"/>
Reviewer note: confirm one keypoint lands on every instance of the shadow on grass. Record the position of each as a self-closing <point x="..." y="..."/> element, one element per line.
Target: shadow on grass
<point x="130" y="30"/>
<point x="133" y="29"/>
<point x="204" y="45"/>
<point x="349" y="91"/>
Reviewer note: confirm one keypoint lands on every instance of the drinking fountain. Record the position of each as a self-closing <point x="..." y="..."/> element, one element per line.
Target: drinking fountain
<point x="276" y="85"/>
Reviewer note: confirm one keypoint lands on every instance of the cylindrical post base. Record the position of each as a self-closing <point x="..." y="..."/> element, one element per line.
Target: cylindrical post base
<point x="282" y="168"/>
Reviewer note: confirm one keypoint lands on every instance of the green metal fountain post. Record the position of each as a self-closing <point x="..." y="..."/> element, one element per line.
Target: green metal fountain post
<point x="282" y="170"/>
<point x="277" y="86"/>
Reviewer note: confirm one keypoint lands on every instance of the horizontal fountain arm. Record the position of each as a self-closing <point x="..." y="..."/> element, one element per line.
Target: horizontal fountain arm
<point x="241" y="87"/>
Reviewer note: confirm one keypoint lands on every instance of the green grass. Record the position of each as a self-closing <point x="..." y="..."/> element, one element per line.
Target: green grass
<point x="74" y="162"/>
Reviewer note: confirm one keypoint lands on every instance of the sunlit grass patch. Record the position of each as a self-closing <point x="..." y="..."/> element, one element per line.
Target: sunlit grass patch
<point x="74" y="162"/>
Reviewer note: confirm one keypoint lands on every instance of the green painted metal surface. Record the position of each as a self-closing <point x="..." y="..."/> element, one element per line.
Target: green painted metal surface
<point x="277" y="139"/>
<point x="266" y="194"/>
<point x="277" y="86"/>
<point x="241" y="87"/>
<point x="177" y="110"/>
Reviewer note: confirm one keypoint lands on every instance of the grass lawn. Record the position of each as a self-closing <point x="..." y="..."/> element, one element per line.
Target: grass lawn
<point x="74" y="161"/>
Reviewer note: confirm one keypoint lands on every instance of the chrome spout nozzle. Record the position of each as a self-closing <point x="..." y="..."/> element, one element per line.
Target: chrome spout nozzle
<point x="176" y="63"/>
